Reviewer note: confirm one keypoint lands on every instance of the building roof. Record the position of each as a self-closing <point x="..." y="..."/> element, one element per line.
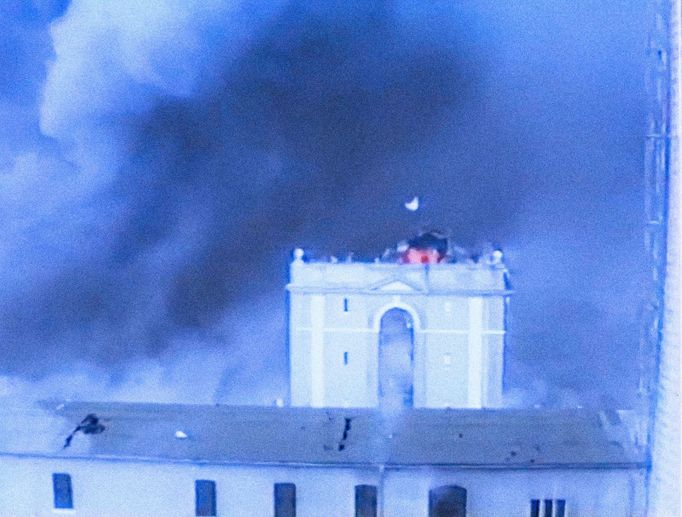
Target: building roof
<point x="308" y="436"/>
<point x="442" y="278"/>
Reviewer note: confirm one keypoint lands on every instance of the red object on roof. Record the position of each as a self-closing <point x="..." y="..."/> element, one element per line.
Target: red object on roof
<point x="417" y="256"/>
<point x="426" y="248"/>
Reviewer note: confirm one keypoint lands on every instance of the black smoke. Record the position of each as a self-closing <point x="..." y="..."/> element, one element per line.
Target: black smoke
<point x="179" y="178"/>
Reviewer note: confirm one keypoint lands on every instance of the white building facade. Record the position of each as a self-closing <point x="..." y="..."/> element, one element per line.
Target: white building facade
<point x="308" y="462"/>
<point x="152" y="489"/>
<point x="453" y="357"/>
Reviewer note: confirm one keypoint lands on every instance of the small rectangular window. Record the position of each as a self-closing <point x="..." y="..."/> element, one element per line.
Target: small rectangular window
<point x="285" y="500"/>
<point x="365" y="501"/>
<point x="345" y="305"/>
<point x="63" y="495"/>
<point x="204" y="490"/>
<point x="534" y="508"/>
<point x="345" y="358"/>
<point x="548" y="508"/>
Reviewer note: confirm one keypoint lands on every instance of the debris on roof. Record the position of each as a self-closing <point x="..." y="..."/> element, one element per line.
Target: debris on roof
<point x="426" y="248"/>
<point x="509" y="438"/>
<point x="346" y="429"/>
<point x="89" y="425"/>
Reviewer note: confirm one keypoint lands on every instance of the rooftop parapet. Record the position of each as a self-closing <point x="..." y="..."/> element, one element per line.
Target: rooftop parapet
<point x="472" y="276"/>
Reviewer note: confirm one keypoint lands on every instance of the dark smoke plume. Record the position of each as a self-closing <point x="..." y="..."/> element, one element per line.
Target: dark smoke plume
<point x="186" y="147"/>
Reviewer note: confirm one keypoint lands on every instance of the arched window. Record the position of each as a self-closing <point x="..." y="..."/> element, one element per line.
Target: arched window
<point x="448" y="501"/>
<point x="396" y="358"/>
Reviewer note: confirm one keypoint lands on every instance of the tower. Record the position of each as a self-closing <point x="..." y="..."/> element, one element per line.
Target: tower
<point x="450" y="355"/>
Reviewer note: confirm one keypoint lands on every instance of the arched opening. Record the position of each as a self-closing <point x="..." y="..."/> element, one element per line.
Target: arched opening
<point x="396" y="359"/>
<point x="448" y="501"/>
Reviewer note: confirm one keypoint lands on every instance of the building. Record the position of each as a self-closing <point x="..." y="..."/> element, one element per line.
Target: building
<point x="408" y="438"/>
<point x="177" y="460"/>
<point x="455" y="313"/>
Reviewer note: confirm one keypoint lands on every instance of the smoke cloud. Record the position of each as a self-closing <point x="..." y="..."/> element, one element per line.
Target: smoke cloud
<point x="165" y="158"/>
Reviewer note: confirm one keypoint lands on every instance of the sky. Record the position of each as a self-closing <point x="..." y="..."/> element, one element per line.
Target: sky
<point x="160" y="160"/>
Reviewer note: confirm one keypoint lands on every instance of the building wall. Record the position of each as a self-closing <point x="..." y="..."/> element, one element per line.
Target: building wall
<point x="497" y="493"/>
<point x="334" y="326"/>
<point x="119" y="488"/>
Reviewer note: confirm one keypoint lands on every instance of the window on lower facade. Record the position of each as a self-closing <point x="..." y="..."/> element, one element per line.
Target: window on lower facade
<point x="547" y="508"/>
<point x="365" y="501"/>
<point x="61" y="487"/>
<point x="285" y="500"/>
<point x="448" y="501"/>
<point x="205" y="499"/>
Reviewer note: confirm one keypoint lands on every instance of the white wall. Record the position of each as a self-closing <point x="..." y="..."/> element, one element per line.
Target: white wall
<point x="458" y="336"/>
<point x="588" y="493"/>
<point x="116" y="488"/>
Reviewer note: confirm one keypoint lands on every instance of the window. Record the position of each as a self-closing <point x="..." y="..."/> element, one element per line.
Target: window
<point x="365" y="501"/>
<point x="345" y="358"/>
<point x="63" y="495"/>
<point x="205" y="497"/>
<point x="345" y="305"/>
<point x="547" y="508"/>
<point x="285" y="500"/>
<point x="447" y="501"/>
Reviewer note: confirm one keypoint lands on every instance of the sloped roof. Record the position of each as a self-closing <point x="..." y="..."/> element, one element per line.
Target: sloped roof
<point x="271" y="435"/>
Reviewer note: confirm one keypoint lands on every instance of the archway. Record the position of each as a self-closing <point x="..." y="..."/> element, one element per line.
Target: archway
<point x="448" y="501"/>
<point x="396" y="358"/>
